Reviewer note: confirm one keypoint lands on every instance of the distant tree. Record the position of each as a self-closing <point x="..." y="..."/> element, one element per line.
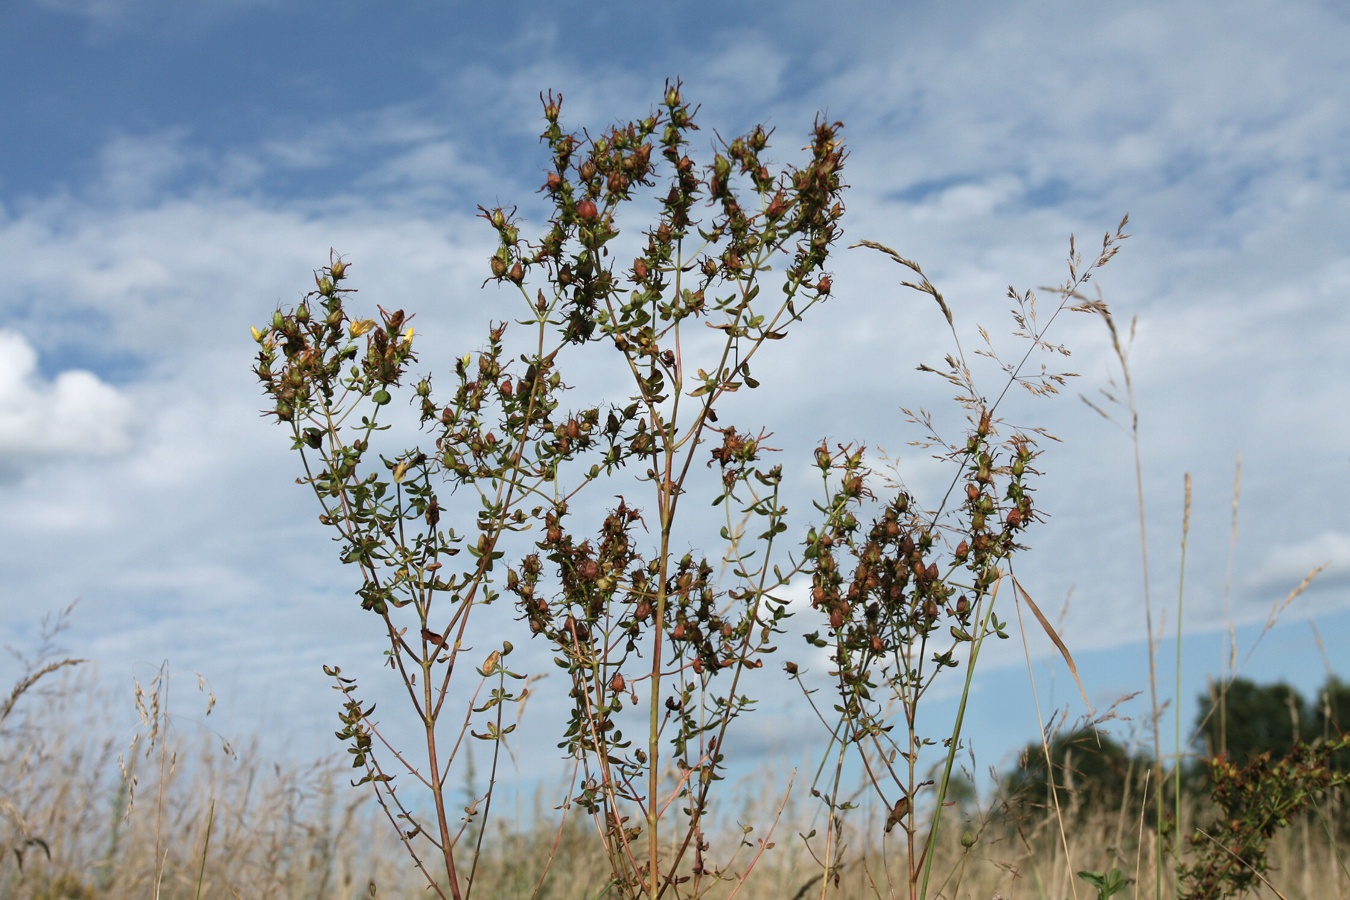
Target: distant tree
<point x="1242" y="719"/>
<point x="1086" y="767"/>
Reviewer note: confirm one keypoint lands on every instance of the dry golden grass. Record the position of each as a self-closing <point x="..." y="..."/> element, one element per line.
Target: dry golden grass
<point x="207" y="821"/>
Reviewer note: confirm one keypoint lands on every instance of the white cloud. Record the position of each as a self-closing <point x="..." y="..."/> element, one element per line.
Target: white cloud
<point x="1284" y="568"/>
<point x="74" y="414"/>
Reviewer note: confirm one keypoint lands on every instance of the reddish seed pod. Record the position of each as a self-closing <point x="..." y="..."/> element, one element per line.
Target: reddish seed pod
<point x="586" y="210"/>
<point x="617" y="684"/>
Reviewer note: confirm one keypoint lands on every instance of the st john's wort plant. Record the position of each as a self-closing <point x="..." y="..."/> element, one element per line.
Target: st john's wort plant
<point x="912" y="595"/>
<point x="1255" y="800"/>
<point x="329" y="375"/>
<point x="652" y="639"/>
<point x="649" y="639"/>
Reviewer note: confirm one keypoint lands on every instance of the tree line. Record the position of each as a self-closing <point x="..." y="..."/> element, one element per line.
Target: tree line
<point x="1239" y="720"/>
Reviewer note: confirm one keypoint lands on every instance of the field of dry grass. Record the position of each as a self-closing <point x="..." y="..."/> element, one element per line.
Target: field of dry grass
<point x="86" y="815"/>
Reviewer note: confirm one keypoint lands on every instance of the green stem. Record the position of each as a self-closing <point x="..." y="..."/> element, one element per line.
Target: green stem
<point x="955" y="740"/>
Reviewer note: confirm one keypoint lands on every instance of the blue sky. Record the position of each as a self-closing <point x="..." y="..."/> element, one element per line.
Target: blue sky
<point x="170" y="172"/>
